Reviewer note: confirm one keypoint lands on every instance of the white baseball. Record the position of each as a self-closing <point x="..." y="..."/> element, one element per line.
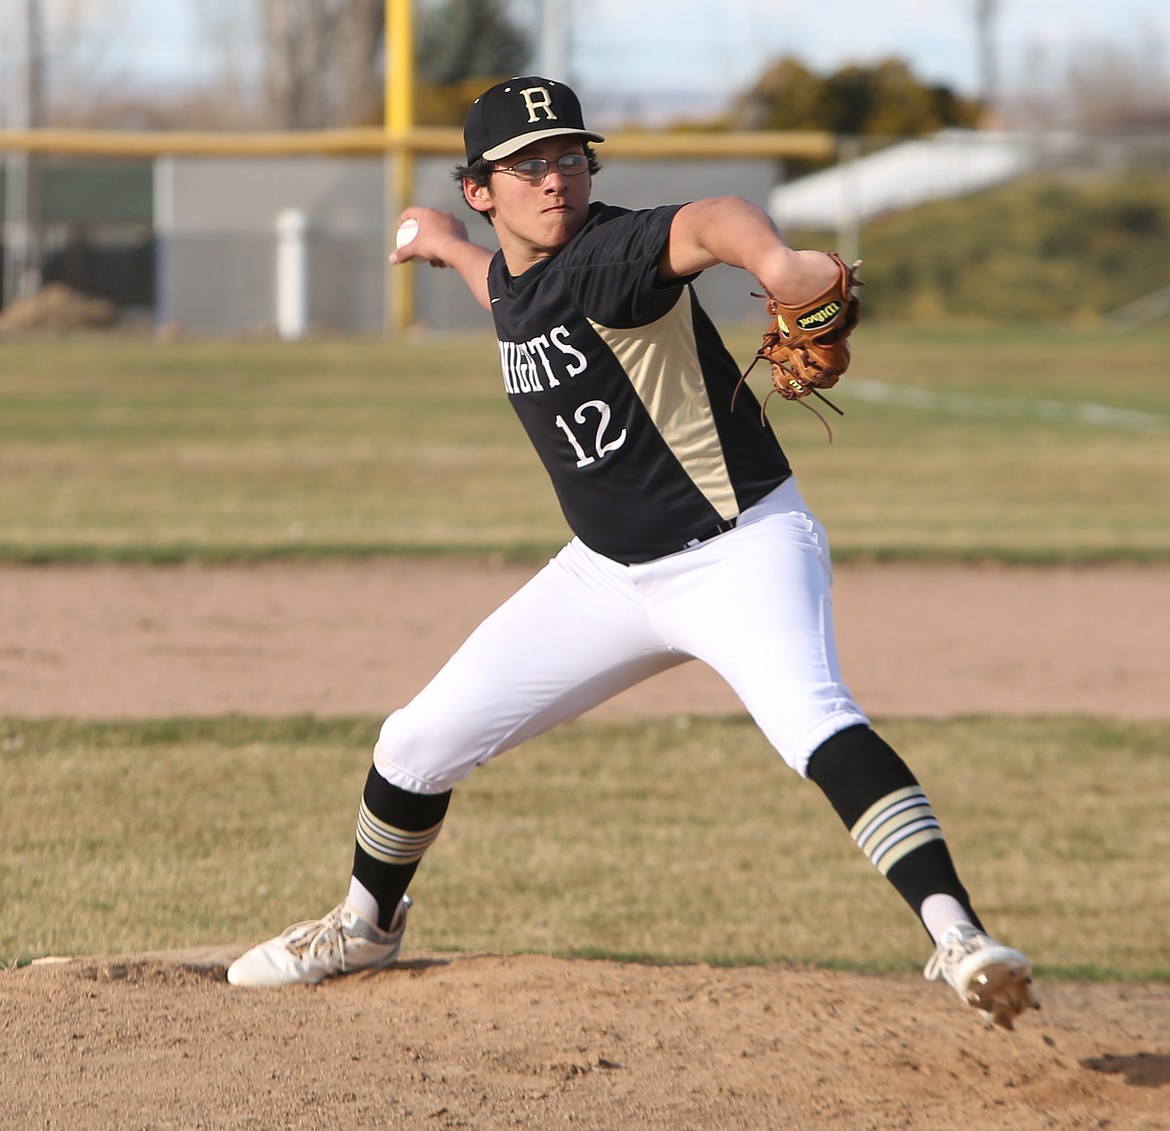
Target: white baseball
<point x="407" y="230"/>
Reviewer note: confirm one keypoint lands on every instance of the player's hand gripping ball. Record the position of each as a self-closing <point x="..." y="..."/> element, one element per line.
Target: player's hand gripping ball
<point x="407" y="230"/>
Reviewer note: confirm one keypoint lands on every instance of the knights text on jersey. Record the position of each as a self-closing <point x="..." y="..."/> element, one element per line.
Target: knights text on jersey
<point x="624" y="388"/>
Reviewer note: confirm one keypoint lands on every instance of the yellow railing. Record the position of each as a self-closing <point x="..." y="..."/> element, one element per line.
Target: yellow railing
<point x="418" y="140"/>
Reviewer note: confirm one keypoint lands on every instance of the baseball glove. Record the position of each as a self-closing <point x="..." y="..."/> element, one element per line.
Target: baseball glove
<point x="808" y="345"/>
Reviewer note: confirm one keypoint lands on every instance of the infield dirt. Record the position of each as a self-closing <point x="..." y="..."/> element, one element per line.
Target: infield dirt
<point x="481" y="1041"/>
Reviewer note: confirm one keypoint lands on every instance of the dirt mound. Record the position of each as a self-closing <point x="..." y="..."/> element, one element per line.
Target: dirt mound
<point x="56" y="309"/>
<point x="530" y="1041"/>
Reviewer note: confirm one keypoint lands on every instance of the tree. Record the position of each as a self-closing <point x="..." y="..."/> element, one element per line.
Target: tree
<point x="1101" y="88"/>
<point x="883" y="100"/>
<point x="464" y="46"/>
<point x="322" y="62"/>
<point x="464" y="39"/>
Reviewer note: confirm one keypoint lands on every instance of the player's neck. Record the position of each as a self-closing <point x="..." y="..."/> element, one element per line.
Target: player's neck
<point x="521" y="257"/>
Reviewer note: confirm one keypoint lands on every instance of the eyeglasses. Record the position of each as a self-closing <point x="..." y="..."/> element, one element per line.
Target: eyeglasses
<point x="535" y="169"/>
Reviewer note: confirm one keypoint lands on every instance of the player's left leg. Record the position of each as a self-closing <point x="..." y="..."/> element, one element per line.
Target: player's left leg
<point x="891" y="820"/>
<point x="755" y="604"/>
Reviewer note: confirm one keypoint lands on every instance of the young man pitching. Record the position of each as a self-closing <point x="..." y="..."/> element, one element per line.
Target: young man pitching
<point x="691" y="538"/>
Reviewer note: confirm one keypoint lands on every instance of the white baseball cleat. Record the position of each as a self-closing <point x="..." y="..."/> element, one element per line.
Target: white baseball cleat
<point x="310" y="952"/>
<point x="995" y="979"/>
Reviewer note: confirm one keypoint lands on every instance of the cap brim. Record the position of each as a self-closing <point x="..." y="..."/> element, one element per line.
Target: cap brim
<point x="512" y="145"/>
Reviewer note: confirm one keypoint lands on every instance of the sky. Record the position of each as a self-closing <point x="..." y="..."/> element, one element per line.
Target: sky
<point x="725" y="41"/>
<point x="647" y="49"/>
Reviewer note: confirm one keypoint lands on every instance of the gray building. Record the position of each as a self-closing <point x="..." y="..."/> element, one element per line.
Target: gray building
<point x="241" y="240"/>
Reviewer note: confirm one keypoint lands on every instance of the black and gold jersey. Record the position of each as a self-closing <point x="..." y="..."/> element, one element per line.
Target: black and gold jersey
<point x="624" y="387"/>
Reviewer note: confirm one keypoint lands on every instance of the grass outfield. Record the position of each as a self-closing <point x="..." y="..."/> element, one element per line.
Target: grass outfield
<point x="670" y="841"/>
<point x="657" y="841"/>
<point x="1041" y="447"/>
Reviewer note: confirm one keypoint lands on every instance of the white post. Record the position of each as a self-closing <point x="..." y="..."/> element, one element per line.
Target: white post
<point x="24" y="110"/>
<point x="292" y="274"/>
<point x="850" y="202"/>
<point x="553" y="59"/>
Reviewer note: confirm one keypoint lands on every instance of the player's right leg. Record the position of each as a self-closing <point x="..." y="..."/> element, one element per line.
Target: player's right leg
<point x="394" y="830"/>
<point x="568" y="640"/>
<point x="341" y="943"/>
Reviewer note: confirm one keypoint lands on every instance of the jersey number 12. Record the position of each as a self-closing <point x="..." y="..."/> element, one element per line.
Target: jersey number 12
<point x="601" y="445"/>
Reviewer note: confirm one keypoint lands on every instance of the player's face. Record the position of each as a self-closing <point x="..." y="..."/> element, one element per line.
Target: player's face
<point x="536" y="216"/>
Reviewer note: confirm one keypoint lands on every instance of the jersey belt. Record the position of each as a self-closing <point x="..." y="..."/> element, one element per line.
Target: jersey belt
<point x="719" y="528"/>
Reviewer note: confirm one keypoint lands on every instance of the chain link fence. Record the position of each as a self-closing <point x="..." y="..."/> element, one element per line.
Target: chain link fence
<point x="1055" y="227"/>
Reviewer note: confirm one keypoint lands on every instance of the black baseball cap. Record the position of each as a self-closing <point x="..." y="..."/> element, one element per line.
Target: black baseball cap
<point x="518" y="112"/>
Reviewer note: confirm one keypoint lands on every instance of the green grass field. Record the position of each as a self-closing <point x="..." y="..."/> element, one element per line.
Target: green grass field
<point x="963" y="444"/>
<point x="1042" y="447"/>
<point x="670" y="841"/>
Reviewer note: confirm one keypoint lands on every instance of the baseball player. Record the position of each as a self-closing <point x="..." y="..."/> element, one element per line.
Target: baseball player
<point x="691" y="538"/>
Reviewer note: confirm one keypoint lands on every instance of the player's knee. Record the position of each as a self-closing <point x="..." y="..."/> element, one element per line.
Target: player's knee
<point x="424" y="759"/>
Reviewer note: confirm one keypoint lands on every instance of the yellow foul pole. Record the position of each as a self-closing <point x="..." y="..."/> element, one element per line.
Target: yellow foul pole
<point x="399" y="121"/>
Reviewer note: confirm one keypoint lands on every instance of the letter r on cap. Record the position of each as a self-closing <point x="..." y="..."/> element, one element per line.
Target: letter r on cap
<point x="538" y="98"/>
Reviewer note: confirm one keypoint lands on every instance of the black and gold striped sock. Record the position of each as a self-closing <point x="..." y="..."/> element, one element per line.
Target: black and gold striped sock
<point x="394" y="829"/>
<point x="888" y="815"/>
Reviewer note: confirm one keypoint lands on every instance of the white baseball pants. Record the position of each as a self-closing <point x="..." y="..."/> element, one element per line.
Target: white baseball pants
<point x="753" y="603"/>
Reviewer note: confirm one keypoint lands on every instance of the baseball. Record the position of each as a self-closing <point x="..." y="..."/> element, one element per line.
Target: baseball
<point x="407" y="230"/>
